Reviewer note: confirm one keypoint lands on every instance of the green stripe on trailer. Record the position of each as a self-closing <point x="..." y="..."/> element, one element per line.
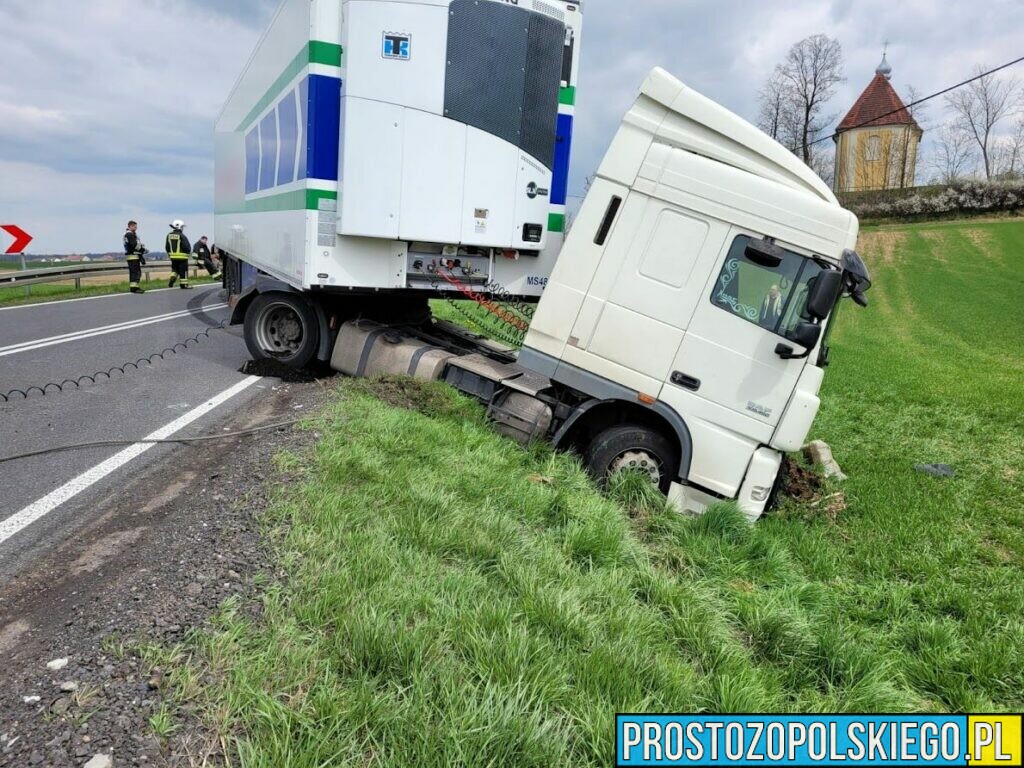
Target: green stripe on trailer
<point x="296" y="200"/>
<point x="556" y="222"/>
<point x="567" y="95"/>
<point x="314" y="52"/>
<point x="325" y="53"/>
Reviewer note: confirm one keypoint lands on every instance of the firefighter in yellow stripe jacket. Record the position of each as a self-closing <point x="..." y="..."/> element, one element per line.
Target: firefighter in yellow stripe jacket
<point x="178" y="249"/>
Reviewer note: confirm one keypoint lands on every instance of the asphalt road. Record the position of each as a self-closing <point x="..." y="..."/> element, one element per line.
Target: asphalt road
<point x="44" y="500"/>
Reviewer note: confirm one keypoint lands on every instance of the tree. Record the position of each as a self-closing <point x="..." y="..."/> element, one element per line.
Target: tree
<point x="920" y="111"/>
<point x="823" y="163"/>
<point x="777" y="115"/>
<point x="1008" y="154"/>
<point x="979" y="107"/>
<point x="811" y="71"/>
<point x="953" y="157"/>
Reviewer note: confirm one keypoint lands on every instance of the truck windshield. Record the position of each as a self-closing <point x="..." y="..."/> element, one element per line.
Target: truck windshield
<point x="773" y="298"/>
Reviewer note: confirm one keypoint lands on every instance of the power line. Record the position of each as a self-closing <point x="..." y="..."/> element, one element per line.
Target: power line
<point x="922" y="101"/>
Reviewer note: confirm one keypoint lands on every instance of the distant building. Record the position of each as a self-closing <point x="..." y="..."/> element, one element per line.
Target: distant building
<point x="877" y="141"/>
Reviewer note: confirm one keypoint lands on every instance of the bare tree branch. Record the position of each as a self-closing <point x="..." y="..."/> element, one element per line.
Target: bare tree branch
<point x="812" y="70"/>
<point x="919" y="112"/>
<point x="953" y="157"/>
<point x="979" y="107"/>
<point x="778" y="113"/>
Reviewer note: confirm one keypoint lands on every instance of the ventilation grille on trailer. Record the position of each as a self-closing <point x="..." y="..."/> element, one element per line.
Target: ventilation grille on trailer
<point x="504" y="73"/>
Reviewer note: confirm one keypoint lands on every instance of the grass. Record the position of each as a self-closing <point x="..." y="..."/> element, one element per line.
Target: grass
<point x="452" y="599"/>
<point x="506" y="328"/>
<point x="14" y="265"/>
<point x="47" y="292"/>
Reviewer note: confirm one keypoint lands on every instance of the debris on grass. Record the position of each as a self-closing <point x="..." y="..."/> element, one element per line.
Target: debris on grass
<point x="820" y="454"/>
<point x="832" y="505"/>
<point x="800" y="482"/>
<point x="936" y="470"/>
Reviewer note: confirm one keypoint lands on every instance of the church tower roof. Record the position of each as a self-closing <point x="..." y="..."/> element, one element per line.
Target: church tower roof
<point x="879" y="104"/>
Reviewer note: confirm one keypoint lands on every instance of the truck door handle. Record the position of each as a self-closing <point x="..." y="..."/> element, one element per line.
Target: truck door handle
<point x="684" y="381"/>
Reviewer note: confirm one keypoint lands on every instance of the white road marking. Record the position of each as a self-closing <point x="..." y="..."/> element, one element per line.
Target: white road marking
<point x="27" y="346"/>
<point x="39" y="509"/>
<point x="93" y="298"/>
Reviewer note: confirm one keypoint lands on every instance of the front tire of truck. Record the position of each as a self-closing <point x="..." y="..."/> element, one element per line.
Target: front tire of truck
<point x="631" y="447"/>
<point x="282" y="327"/>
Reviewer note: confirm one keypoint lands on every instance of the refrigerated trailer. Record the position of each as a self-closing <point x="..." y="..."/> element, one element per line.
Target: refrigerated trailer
<point x="683" y="330"/>
<point x="369" y="145"/>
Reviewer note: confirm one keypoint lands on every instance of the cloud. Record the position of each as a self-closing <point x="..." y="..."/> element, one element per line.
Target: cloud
<point x="107" y="107"/>
<point x="112" y="116"/>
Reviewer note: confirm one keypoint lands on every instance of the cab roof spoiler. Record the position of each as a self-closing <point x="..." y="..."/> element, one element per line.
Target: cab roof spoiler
<point x="697" y="124"/>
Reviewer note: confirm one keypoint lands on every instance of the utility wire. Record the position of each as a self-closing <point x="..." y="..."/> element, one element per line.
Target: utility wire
<point x="175" y="440"/>
<point x="922" y="101"/>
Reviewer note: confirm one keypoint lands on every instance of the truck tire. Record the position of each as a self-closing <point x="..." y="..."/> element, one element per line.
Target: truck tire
<point x="632" y="447"/>
<point x="282" y="327"/>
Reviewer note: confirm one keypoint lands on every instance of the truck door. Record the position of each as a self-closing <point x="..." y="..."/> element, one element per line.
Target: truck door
<point x="726" y="367"/>
<point x="647" y="275"/>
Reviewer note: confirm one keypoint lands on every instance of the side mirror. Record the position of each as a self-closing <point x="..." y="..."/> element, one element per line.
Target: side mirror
<point x="824" y="293"/>
<point x="764" y="254"/>
<point x="806" y="335"/>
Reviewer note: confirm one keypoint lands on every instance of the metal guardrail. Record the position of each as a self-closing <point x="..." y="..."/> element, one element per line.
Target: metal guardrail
<point x="29" y="277"/>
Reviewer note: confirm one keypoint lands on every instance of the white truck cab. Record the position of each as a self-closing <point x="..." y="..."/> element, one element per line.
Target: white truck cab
<point x="683" y="285"/>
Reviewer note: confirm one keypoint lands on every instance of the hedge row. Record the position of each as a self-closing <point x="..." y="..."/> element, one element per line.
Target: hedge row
<point x="965" y="198"/>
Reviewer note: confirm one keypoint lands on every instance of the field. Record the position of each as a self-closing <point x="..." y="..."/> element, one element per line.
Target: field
<point x="449" y="598"/>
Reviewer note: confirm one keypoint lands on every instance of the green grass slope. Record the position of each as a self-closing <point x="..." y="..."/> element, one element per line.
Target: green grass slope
<point x="453" y="599"/>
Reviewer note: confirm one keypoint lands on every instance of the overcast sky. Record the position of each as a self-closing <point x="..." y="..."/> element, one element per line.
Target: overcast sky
<point x="107" y="106"/>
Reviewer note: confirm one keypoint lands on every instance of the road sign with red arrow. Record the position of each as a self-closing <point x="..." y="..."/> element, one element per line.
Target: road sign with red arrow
<point x="21" y="238"/>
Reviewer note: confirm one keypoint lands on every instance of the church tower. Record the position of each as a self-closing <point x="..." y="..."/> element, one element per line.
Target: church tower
<point x="876" y="143"/>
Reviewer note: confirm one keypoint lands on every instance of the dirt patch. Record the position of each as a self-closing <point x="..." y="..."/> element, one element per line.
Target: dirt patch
<point x="430" y="399"/>
<point x="882" y="247"/>
<point x="155" y="564"/>
<point x="939" y="243"/>
<point x="800" y="483"/>
<point x="980" y="239"/>
<point x="9" y="635"/>
<point x="807" y="487"/>
<point x="1003" y="553"/>
<point x="275" y="370"/>
<point x="98" y="553"/>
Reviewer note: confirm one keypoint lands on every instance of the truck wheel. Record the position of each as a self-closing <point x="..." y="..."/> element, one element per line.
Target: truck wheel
<point x="632" y="447"/>
<point x="282" y="327"/>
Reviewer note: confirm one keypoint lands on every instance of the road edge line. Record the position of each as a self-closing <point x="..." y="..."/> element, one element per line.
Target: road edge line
<point x="17" y="522"/>
<point x="52" y="341"/>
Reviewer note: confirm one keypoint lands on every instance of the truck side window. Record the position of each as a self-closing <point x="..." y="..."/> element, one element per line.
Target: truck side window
<point x="774" y="299"/>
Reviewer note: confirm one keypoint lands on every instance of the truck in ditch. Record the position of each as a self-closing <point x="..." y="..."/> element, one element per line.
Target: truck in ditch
<point x="682" y="326"/>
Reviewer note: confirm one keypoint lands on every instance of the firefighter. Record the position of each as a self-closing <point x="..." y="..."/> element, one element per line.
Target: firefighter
<point x="205" y="258"/>
<point x="179" y="249"/>
<point x="135" y="254"/>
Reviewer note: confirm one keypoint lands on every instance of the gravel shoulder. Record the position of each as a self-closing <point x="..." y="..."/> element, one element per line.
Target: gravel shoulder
<point x="160" y="559"/>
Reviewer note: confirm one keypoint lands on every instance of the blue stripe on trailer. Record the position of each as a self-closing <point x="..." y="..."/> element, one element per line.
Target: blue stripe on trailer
<point x="323" y="127"/>
<point x="304" y="121"/>
<point x="563" y="151"/>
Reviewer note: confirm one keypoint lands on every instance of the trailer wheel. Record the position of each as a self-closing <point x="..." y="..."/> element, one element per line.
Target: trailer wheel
<point x="631" y="447"/>
<point x="282" y="327"/>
